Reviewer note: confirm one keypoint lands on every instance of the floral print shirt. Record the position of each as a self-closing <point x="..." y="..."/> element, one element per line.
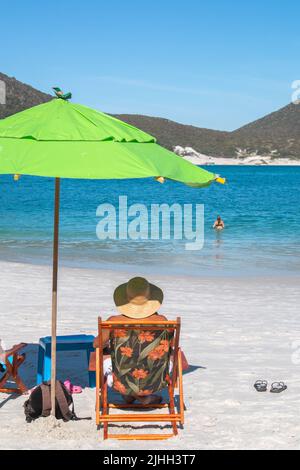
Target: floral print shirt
<point x="140" y="360"/>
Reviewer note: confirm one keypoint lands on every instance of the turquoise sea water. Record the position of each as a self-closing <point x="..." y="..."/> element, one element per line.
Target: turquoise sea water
<point x="260" y="206"/>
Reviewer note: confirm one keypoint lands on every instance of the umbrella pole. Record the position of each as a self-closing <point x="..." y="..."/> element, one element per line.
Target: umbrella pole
<point x="54" y="294"/>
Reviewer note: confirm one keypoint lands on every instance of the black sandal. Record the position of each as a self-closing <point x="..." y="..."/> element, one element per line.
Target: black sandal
<point x="261" y="385"/>
<point x="278" y="387"/>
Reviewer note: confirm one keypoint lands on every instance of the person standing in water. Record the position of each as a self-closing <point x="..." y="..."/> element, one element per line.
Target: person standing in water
<point x="219" y="223"/>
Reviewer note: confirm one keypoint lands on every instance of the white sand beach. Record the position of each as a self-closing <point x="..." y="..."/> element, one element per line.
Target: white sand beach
<point x="235" y="331"/>
<point x="241" y="157"/>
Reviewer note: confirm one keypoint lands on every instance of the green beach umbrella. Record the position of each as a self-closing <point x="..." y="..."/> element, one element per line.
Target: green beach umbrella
<point x="61" y="139"/>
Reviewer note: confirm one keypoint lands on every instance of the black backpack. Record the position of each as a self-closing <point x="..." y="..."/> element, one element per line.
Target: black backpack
<point x="39" y="403"/>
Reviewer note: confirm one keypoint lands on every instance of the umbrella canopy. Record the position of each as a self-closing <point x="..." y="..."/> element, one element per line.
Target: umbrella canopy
<point x="67" y="140"/>
<point x="61" y="139"/>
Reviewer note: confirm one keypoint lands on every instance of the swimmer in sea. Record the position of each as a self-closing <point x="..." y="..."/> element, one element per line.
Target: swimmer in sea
<point x="219" y="224"/>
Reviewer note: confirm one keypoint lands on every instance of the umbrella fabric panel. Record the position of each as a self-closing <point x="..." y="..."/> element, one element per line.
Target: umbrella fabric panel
<point x="97" y="160"/>
<point x="65" y="121"/>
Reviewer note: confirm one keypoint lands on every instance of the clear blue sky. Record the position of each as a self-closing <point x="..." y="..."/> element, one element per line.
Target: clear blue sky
<point x="215" y="63"/>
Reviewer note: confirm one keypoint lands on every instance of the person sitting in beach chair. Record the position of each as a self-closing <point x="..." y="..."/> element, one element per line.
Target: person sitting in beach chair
<point x="141" y="345"/>
<point x="136" y="299"/>
<point x="10" y="362"/>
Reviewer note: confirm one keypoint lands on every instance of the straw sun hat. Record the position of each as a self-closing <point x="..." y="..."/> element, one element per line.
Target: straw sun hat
<point x="137" y="298"/>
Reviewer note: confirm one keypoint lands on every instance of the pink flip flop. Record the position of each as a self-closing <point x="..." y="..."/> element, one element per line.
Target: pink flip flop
<point x="72" y="388"/>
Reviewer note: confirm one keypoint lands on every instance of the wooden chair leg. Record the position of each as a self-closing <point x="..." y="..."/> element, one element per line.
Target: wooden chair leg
<point x="105" y="410"/>
<point x="3" y="380"/>
<point x="98" y="403"/>
<point x="12" y="371"/>
<point x="21" y="386"/>
<point x="180" y="382"/>
<point x="172" y="408"/>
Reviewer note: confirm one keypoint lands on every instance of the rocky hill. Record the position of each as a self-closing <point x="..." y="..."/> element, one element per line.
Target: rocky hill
<point x="278" y="132"/>
<point x="170" y="133"/>
<point x="19" y="96"/>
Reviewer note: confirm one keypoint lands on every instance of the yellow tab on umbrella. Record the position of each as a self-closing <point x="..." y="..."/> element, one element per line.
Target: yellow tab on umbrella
<point x="160" y="179"/>
<point x="16" y="177"/>
<point x="220" y="180"/>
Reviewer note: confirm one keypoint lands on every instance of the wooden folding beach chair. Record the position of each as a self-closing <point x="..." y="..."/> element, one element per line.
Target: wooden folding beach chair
<point x="10" y="362"/>
<point x="146" y="330"/>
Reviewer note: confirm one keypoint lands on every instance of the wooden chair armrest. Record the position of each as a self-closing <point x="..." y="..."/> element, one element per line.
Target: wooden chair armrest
<point x="14" y="350"/>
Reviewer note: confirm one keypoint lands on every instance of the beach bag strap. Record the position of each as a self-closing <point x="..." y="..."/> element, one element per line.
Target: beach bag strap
<point x="60" y="400"/>
<point x="62" y="403"/>
<point x="67" y="414"/>
<point x="46" y="397"/>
